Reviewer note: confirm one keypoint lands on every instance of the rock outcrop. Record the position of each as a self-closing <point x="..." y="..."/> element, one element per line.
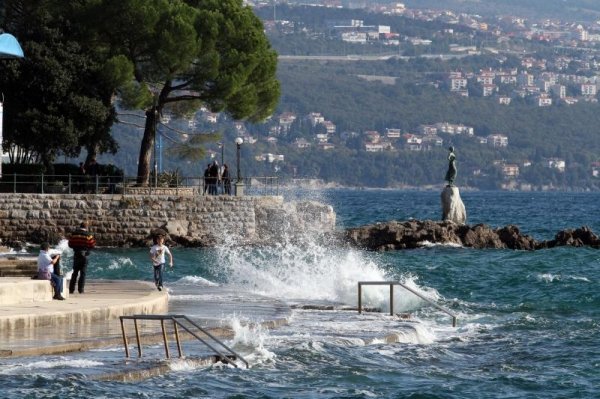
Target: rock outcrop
<point x="411" y="234"/>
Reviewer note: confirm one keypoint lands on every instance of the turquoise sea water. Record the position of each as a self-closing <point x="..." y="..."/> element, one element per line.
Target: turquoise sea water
<point x="529" y="324"/>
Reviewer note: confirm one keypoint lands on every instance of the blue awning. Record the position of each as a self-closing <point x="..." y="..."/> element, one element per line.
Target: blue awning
<point x="10" y="47"/>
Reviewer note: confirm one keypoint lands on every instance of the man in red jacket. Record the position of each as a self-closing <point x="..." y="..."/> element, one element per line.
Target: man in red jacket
<point x="82" y="241"/>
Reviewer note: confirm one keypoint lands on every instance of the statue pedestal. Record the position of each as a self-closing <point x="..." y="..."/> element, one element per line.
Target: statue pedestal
<point x="453" y="208"/>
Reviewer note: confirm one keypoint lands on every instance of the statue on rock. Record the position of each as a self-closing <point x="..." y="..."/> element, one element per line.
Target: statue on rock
<point x="451" y="173"/>
<point x="453" y="208"/>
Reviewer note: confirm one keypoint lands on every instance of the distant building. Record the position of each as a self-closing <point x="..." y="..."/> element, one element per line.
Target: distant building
<point x="374" y="147"/>
<point x="428" y="130"/>
<point x="510" y="170"/>
<point x="393" y="133"/>
<point x="458" y="84"/>
<point x="286" y="120"/>
<point x="488" y="89"/>
<point x="432" y="140"/>
<point x="372" y="136"/>
<point x="302" y="143"/>
<point x="315" y="118"/>
<point x="544" y="100"/>
<point x="413" y="142"/>
<point x="211" y="117"/>
<point x="596" y="169"/>
<point x="450" y="128"/>
<point x="589" y="90"/>
<point x="330" y="127"/>
<point x="497" y="140"/>
<point x="556" y="163"/>
<point x="321" y="137"/>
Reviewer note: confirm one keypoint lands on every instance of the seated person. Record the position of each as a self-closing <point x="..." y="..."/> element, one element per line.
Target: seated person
<point x="46" y="270"/>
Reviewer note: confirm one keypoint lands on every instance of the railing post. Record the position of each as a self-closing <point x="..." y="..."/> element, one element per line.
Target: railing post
<point x="96" y="184"/>
<point x="69" y="183"/>
<point x="124" y="338"/>
<point x="162" y="325"/>
<point x="14" y="183"/>
<point x="42" y="183"/>
<point x="137" y="336"/>
<point x="176" y="329"/>
<point x="391" y="299"/>
<point x="359" y="298"/>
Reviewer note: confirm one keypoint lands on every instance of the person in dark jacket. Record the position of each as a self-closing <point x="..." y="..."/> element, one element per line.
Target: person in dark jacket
<point x="226" y="180"/>
<point x="214" y="178"/>
<point x="82" y="241"/>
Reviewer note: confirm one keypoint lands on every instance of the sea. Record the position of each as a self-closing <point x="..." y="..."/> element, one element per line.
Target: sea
<point x="528" y="321"/>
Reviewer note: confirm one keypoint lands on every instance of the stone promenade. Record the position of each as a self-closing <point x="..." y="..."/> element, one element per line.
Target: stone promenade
<point x="32" y="324"/>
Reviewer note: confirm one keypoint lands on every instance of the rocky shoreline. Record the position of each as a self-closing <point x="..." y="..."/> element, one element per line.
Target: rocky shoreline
<point x="396" y="235"/>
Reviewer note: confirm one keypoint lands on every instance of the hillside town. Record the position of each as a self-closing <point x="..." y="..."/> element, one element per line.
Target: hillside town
<point x="562" y="78"/>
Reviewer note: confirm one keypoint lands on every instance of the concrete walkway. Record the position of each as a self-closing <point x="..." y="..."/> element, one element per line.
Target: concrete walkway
<point x="38" y="325"/>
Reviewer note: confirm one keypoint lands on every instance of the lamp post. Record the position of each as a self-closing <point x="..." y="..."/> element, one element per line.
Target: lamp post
<point x="222" y="147"/>
<point x="239" y="184"/>
<point x="155" y="143"/>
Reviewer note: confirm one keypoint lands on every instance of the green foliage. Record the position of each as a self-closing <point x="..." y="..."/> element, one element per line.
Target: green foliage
<point x="170" y="179"/>
<point x="212" y="52"/>
<point x="53" y="102"/>
<point x="194" y="148"/>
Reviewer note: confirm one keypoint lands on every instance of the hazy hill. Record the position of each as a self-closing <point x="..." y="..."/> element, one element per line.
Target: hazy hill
<point x="588" y="10"/>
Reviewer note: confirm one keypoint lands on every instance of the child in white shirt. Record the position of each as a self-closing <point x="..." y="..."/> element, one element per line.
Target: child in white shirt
<point x="157" y="254"/>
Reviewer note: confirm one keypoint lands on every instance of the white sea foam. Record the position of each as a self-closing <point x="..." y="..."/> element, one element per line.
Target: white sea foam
<point x="548" y="277"/>
<point x="196" y="280"/>
<point x="429" y="244"/>
<point x="310" y="271"/>
<point x="48" y="364"/>
<point x="577" y="278"/>
<point x="120" y="263"/>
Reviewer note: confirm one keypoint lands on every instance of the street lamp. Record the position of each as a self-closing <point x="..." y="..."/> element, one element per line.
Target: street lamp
<point x="222" y="147"/>
<point x="239" y="184"/>
<point x="155" y="143"/>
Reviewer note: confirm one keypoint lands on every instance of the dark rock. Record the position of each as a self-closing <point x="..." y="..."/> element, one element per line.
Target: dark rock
<point x="414" y="234"/>
<point x="581" y="237"/>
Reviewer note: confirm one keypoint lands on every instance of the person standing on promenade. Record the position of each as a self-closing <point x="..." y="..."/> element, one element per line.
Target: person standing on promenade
<point x="82" y="241"/>
<point x="157" y="254"/>
<point x="226" y="180"/>
<point x="206" y="178"/>
<point x="46" y="264"/>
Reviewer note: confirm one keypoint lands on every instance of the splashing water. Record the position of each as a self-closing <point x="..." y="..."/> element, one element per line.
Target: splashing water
<point x="307" y="270"/>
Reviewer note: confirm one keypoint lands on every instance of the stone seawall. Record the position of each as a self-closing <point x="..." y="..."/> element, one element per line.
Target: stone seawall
<point x="128" y="220"/>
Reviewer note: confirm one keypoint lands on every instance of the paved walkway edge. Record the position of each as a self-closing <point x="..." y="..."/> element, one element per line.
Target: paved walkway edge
<point x="146" y="339"/>
<point x="87" y="309"/>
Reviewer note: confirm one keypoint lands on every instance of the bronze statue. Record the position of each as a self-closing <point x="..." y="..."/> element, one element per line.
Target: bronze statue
<point x="451" y="173"/>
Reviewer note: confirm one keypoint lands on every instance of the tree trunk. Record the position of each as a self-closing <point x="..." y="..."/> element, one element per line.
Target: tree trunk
<point x="143" y="175"/>
<point x="92" y="152"/>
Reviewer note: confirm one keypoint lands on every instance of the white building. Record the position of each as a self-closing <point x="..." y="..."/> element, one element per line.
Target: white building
<point x="556" y="163"/>
<point x="497" y="140"/>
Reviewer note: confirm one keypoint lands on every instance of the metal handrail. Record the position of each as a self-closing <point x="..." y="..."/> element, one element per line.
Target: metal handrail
<point x="119" y="184"/>
<point x="176" y="322"/>
<point x="391" y="284"/>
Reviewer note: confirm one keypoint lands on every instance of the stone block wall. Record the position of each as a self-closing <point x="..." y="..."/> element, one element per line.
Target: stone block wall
<point x="124" y="220"/>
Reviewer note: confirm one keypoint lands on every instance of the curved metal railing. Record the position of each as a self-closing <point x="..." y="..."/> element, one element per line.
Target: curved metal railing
<point x="391" y="284"/>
